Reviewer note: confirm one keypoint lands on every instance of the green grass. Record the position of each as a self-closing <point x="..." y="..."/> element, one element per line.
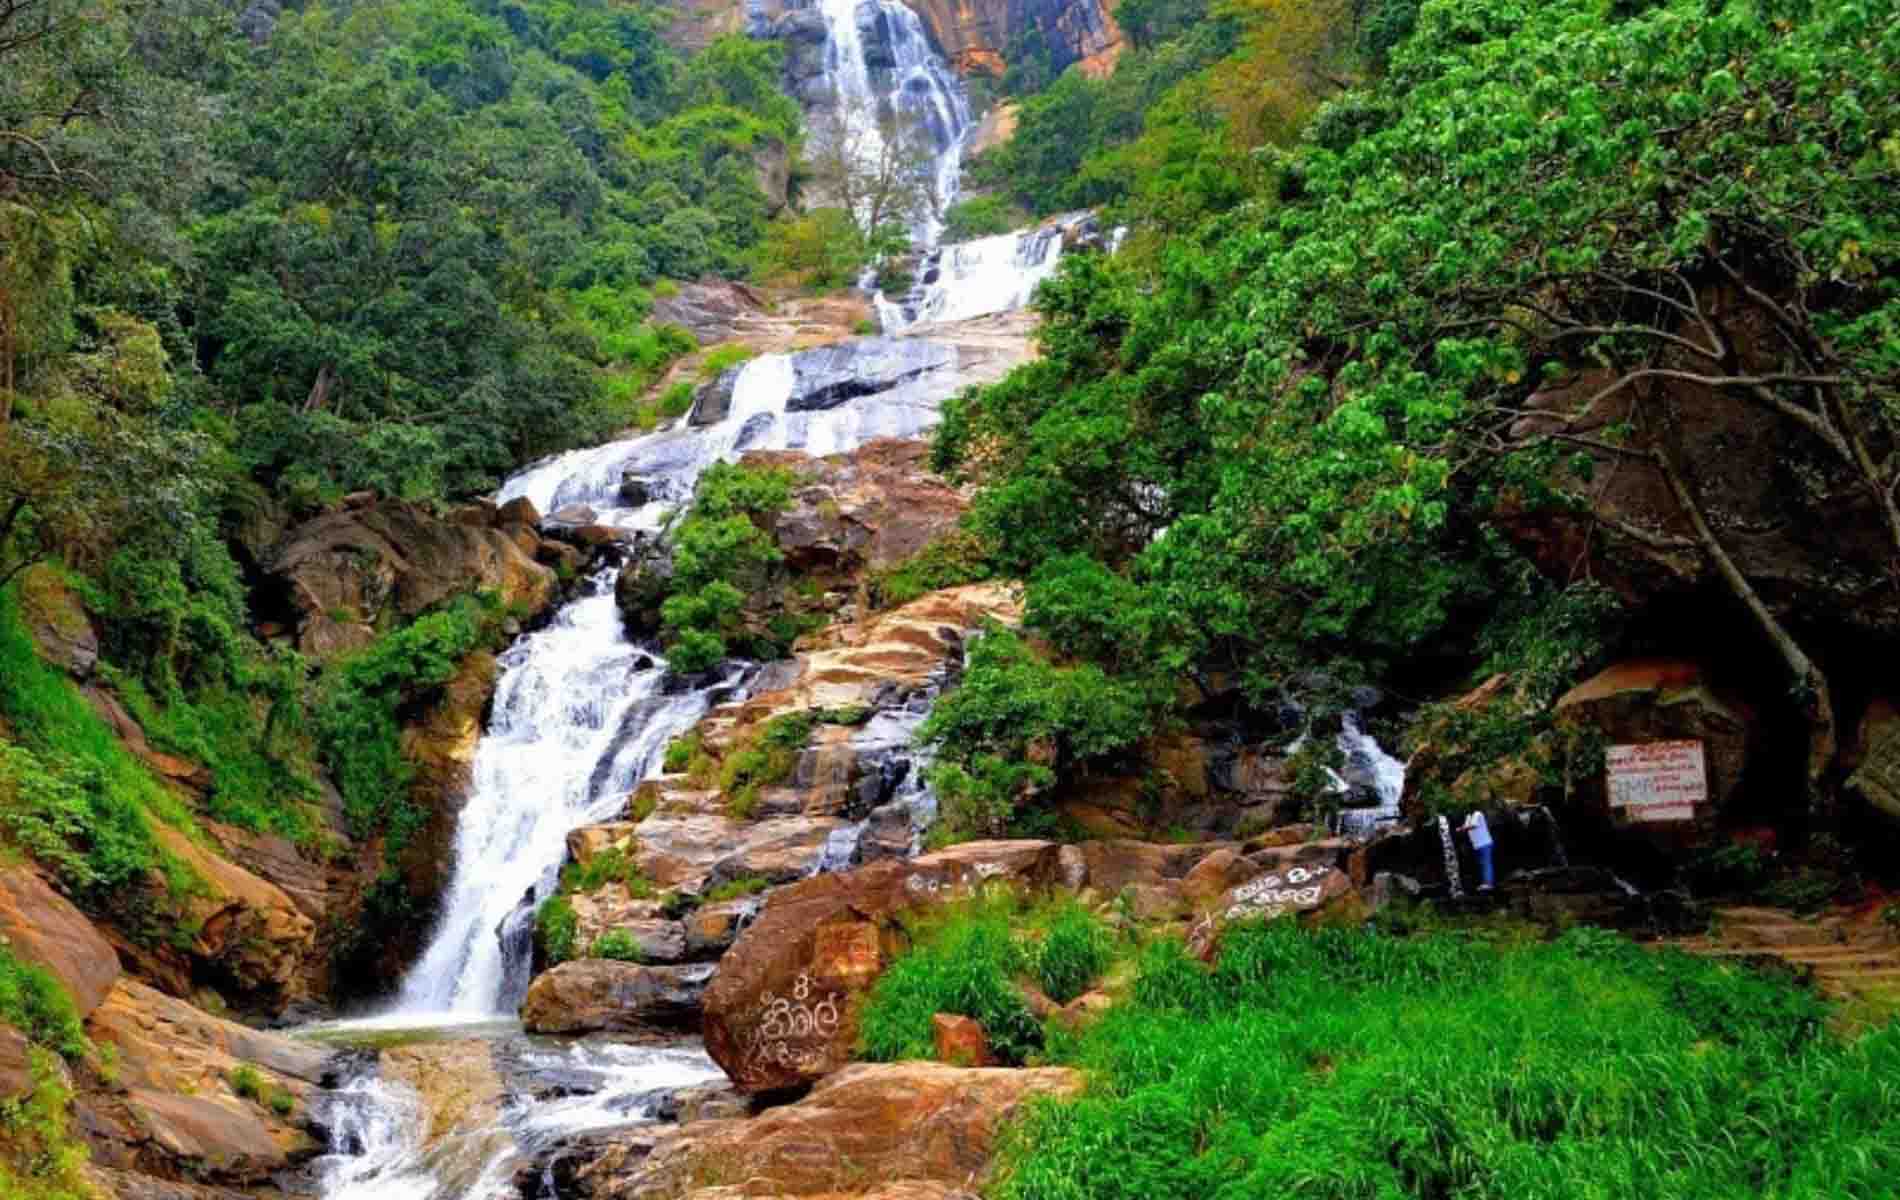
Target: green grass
<point x="71" y="794"/>
<point x="247" y="1083"/>
<point x="252" y="786"/>
<point x="750" y="885"/>
<point x="768" y="759"/>
<point x="722" y="358"/>
<point x="611" y="865"/>
<point x="967" y="958"/>
<point x="1353" y="1065"/>
<point x="556" y="928"/>
<point x="33" y="1002"/>
<point x="950" y="560"/>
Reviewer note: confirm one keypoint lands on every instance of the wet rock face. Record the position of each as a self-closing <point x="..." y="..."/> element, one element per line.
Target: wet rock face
<point x="592" y="995"/>
<point x="342" y="573"/>
<point x="922" y="1130"/>
<point x="713" y="310"/>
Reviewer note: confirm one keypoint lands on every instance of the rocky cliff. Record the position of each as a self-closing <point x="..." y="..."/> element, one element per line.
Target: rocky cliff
<point x="975" y="36"/>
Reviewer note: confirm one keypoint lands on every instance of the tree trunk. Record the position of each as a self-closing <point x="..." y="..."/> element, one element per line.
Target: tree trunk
<point x="1810" y="685"/>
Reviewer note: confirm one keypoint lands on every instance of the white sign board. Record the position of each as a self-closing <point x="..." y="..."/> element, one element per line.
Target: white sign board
<point x="1658" y="781"/>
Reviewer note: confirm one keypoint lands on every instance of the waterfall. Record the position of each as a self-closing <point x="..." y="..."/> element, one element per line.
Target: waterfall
<point x="904" y="79"/>
<point x="581" y="714"/>
<point x="989" y="275"/>
<point x="1366" y="759"/>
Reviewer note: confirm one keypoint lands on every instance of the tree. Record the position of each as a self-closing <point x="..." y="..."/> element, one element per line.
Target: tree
<point x="879" y="167"/>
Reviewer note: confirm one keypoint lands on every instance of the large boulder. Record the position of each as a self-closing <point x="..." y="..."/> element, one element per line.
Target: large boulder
<point x="783" y="1009"/>
<point x="174" y="1111"/>
<point x="1657" y="700"/>
<point x="250" y="935"/>
<point x="866" y="510"/>
<point x="42" y="926"/>
<point x="978" y="35"/>
<point x="342" y="574"/>
<point x="910" y="1130"/>
<point x="590" y="995"/>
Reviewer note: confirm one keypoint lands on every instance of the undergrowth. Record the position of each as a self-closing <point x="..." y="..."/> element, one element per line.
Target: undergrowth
<point x="1353" y="1065"/>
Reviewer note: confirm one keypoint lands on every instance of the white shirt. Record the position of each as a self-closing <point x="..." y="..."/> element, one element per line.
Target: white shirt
<point x="1480" y="832"/>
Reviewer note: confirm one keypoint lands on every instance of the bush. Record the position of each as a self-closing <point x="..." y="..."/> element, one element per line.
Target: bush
<point x="982" y="216"/>
<point x="70" y="792"/>
<point x="611" y="865"/>
<point x="1074" y="951"/>
<point x="723" y="358"/>
<point x="357" y="723"/>
<point x="950" y="560"/>
<point x="721" y="553"/>
<point x="247" y="1083"/>
<point x="750" y="885"/>
<point x="768" y="759"/>
<point x="618" y="945"/>
<point x="555" y="929"/>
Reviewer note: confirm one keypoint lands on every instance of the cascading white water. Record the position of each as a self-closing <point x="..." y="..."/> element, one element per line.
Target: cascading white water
<point x="1368" y="759"/>
<point x="909" y="81"/>
<point x="989" y="275"/>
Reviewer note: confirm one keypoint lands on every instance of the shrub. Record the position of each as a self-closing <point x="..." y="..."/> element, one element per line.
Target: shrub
<point x="356" y="718"/>
<point x="949" y="560"/>
<point x="617" y="944"/>
<point x="555" y="928"/>
<point x="33" y="1002"/>
<point x="247" y="1083"/>
<point x="750" y="885"/>
<point x="768" y="759"/>
<point x="680" y="752"/>
<point x="282" y="1102"/>
<point x="611" y="865"/>
<point x="722" y="358"/>
<point x="720" y="553"/>
<point x="982" y="216"/>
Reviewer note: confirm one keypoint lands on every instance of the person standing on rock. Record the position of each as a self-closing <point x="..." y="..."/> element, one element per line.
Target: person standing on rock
<point x="1480" y="832"/>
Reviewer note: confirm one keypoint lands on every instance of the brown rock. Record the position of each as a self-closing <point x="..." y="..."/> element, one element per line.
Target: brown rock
<point x="166" y="1044"/>
<point x="519" y="511"/>
<point x="16" y="1066"/>
<point x="1874" y="758"/>
<point x="57" y="621"/>
<point x="908" y="1123"/>
<point x="711" y="928"/>
<point x="220" y="1139"/>
<point x="249" y="929"/>
<point x="1653" y="700"/>
<point x="456" y="1081"/>
<point x="346" y="571"/>
<point x="960" y="1041"/>
<point x="592" y="994"/>
<point x="783" y="1009"/>
<point x="42" y="926"/>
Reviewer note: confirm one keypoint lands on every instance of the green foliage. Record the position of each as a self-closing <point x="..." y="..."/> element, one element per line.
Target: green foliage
<point x="681" y="751"/>
<point x="767" y="759"/>
<point x="821" y="250"/>
<point x="721" y="552"/>
<point x="748" y="885"/>
<point x="949" y="560"/>
<point x="356" y="719"/>
<point x="33" y="1002"/>
<point x="281" y="1102"/>
<point x="610" y="865"/>
<point x="981" y="216"/>
<point x="1346" y="1064"/>
<point x="555" y="929"/>
<point x="963" y="960"/>
<point x="69" y="789"/>
<point x="722" y="359"/>
<point x="247" y="1082"/>
<point x="1074" y="950"/>
<point x="616" y="944"/>
<point x="1011" y="699"/>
